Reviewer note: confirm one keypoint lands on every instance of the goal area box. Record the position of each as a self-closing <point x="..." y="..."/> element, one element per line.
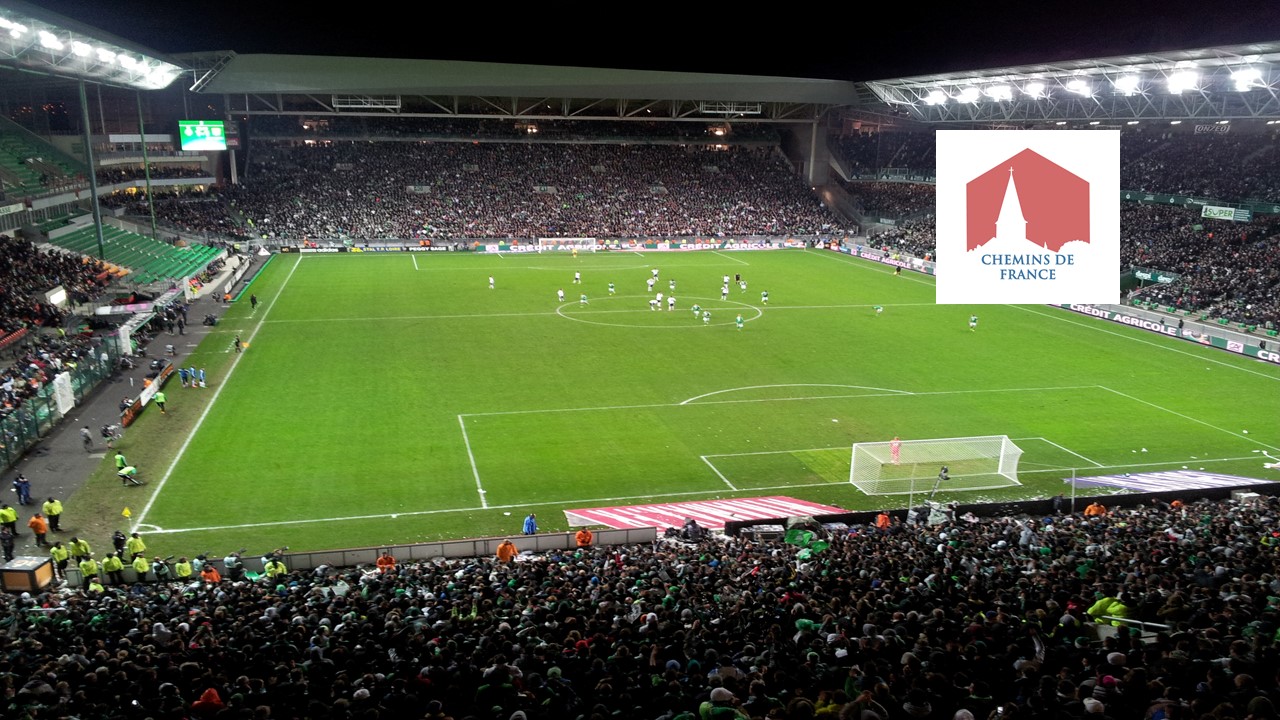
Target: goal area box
<point x="973" y="463"/>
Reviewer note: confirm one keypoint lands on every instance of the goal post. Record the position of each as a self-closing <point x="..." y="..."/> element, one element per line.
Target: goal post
<point x="973" y="463"/>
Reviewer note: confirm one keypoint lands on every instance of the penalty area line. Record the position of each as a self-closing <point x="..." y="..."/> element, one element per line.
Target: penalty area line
<point x="1188" y="417"/>
<point x="484" y="504"/>
<point x="719" y="474"/>
<point x="566" y="503"/>
<point x="226" y="379"/>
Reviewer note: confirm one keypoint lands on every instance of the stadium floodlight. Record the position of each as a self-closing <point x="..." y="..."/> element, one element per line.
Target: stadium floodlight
<point x="126" y="61"/>
<point x="1080" y="87"/>
<point x="1095" y="122"/>
<point x="1127" y="84"/>
<point x="49" y="40"/>
<point x="1034" y="89"/>
<point x="105" y="55"/>
<point x="1132" y="122"/>
<point x="1175" y="122"/>
<point x="935" y="97"/>
<point x="1000" y="92"/>
<point x="1246" y="78"/>
<point x="969" y="95"/>
<point x="80" y="49"/>
<point x="1183" y="80"/>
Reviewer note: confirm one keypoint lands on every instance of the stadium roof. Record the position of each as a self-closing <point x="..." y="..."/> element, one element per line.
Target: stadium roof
<point x="500" y="89"/>
<point x="1240" y="81"/>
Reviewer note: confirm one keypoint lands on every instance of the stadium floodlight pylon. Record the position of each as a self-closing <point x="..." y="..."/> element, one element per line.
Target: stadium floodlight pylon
<point x="974" y="463"/>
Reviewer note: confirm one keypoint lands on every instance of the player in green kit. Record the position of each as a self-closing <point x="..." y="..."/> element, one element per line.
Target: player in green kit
<point x="696" y="309"/>
<point x="582" y="299"/>
<point x="878" y="308"/>
<point x="973" y="323"/>
<point x="611" y="290"/>
<point x="739" y="321"/>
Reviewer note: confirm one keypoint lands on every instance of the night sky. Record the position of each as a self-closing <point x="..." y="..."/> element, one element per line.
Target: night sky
<point x="838" y="41"/>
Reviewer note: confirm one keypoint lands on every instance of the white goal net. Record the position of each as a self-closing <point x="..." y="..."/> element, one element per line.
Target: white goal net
<point x="913" y="466"/>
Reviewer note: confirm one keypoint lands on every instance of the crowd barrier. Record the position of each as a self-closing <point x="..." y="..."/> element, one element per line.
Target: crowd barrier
<point x="423" y="552"/>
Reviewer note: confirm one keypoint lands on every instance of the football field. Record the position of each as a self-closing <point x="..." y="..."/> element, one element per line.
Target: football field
<point x="396" y="397"/>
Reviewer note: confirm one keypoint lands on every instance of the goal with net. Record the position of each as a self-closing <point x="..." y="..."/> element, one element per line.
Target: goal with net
<point x="973" y="463"/>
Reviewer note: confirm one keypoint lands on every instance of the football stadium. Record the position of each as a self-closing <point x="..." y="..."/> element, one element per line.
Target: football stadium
<point x="378" y="387"/>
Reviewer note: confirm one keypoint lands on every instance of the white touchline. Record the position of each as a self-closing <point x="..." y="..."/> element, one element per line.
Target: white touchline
<point x="561" y="503"/>
<point x="719" y="474"/>
<point x="415" y="260"/>
<point x="1188" y="417"/>
<point x="1099" y="327"/>
<point x="474" y="470"/>
<point x="729" y="257"/>
<point x="235" y="362"/>
<point x="1073" y="452"/>
<point x="858" y="262"/>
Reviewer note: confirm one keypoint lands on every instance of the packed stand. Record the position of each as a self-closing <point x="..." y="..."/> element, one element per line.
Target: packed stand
<point x="868" y="154"/>
<point x="1229" y="270"/>
<point x="165" y="171"/>
<point x="188" y="210"/>
<point x="1227" y="167"/>
<point x="968" y="619"/>
<point x="292" y="127"/>
<point x="891" y="199"/>
<point x="524" y="191"/>
<point x="26" y="273"/>
<point x="913" y="238"/>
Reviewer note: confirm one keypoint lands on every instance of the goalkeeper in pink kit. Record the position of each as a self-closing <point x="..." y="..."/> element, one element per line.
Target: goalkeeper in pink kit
<point x="895" y="449"/>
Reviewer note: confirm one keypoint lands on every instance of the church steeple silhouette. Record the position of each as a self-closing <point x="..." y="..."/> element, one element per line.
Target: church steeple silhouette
<point x="1010" y="224"/>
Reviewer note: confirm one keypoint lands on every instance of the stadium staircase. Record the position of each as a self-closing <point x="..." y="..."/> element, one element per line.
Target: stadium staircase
<point x="141" y="258"/>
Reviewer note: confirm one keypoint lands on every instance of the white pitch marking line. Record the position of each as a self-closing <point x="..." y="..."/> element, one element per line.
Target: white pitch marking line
<point x="860" y="263"/>
<point x="729" y="257"/>
<point x="838" y="447"/>
<point x="563" y="503"/>
<point x="415" y="260"/>
<point x="719" y="474"/>
<point x="760" y="387"/>
<point x="226" y="379"/>
<point x="474" y="470"/>
<point x="1188" y="417"/>
<point x="895" y="393"/>
<point x="643" y="311"/>
<point x="638" y="253"/>
<point x="1095" y="463"/>
<point x="1099" y="327"/>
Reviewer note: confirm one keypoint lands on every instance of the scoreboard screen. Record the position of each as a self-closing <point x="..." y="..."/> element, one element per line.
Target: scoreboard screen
<point x="202" y="135"/>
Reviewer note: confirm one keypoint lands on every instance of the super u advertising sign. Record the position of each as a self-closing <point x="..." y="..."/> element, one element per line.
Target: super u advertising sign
<point x="1028" y="216"/>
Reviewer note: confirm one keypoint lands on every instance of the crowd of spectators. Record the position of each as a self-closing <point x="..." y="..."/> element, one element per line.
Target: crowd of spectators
<point x="293" y="127"/>
<point x="33" y="357"/>
<point x="880" y="199"/>
<point x="914" y="238"/>
<point x="972" y="618"/>
<point x="523" y="190"/>
<point x="186" y="209"/>
<point x="1226" y="167"/>
<point x="159" y="171"/>
<point x="26" y="273"/>
<point x="869" y="154"/>
<point x="1230" y="167"/>
<point x="1228" y="270"/>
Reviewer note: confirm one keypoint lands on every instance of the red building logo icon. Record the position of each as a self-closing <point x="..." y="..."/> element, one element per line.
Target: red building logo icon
<point x="1025" y="201"/>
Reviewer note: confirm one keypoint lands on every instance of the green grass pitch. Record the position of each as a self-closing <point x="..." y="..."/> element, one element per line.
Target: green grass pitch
<point x="389" y="398"/>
